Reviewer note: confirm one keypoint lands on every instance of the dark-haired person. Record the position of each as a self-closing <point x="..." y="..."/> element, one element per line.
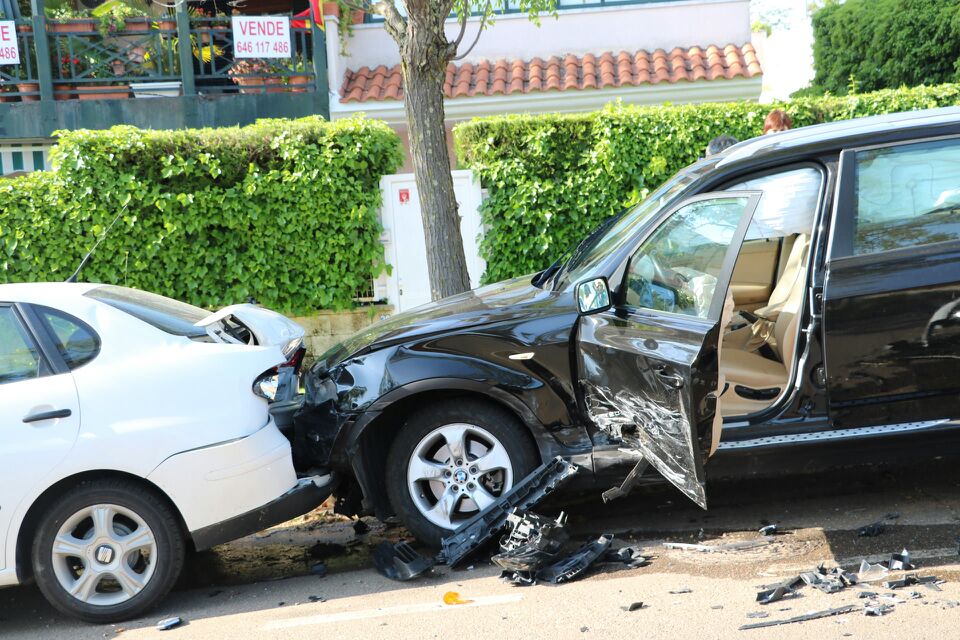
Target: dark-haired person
<point x="720" y="143"/>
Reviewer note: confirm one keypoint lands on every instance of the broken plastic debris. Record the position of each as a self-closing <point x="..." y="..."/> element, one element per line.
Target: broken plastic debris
<point x="452" y="597"/>
<point x="319" y="569"/>
<point x="633" y="606"/>
<point x="768" y="530"/>
<point x="573" y="566"/>
<point x="169" y="623"/>
<point x="630" y="556"/>
<point x="871" y="572"/>
<point x="814" y="615"/>
<point x="913" y="579"/>
<point x="316" y="599"/>
<point x="481" y="528"/>
<point x="718" y="548"/>
<point x="530" y="542"/>
<point x="628" y="483"/>
<point x="677" y="592"/>
<point x="875" y="609"/>
<point x="758" y="614"/>
<point x="400" y="561"/>
<point x="900" y="561"/>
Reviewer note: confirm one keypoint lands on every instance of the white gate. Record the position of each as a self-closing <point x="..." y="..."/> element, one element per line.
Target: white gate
<point x="408" y="285"/>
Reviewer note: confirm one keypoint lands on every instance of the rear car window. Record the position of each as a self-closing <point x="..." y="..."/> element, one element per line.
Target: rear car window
<point x="907" y="196"/>
<point x="19" y="358"/>
<point x="171" y="316"/>
<point x="76" y="342"/>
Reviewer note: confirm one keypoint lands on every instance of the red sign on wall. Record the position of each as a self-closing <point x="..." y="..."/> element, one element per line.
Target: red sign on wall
<point x="404" y="196"/>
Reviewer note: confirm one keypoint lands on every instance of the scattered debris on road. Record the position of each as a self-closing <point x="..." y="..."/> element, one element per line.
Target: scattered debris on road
<point x="813" y="615"/>
<point x="742" y="545"/>
<point x="452" y="598"/>
<point x="633" y="606"/>
<point x="912" y="579"/>
<point x="768" y="530"/>
<point x="400" y="561"/>
<point x="876" y="609"/>
<point x="169" y="623"/>
<point x="681" y="590"/>
<point x="900" y="561"/>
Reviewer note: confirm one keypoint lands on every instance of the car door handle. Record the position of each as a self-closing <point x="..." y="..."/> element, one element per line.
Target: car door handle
<point x="48" y="415"/>
<point x="669" y="378"/>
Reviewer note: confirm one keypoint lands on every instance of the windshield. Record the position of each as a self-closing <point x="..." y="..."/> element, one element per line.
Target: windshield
<point x="168" y="315"/>
<point x="586" y="257"/>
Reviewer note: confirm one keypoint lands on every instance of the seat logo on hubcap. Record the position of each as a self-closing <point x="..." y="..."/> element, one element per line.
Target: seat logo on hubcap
<point x="104" y="554"/>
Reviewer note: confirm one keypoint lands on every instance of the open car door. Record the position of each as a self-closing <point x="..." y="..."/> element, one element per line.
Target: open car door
<point x="649" y="373"/>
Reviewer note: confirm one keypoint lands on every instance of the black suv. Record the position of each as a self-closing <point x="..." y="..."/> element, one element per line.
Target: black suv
<point x="801" y="290"/>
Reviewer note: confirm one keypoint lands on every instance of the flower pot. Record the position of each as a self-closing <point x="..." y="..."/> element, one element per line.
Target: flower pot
<point x="167" y="25"/>
<point x="8" y="97"/>
<point x="72" y="26"/>
<point x="155" y="89"/>
<point x="104" y="92"/>
<point x="29" y="87"/>
<point x="135" y="25"/>
<point x="356" y="16"/>
<point x="25" y="28"/>
<point x="267" y="84"/>
<point x="303" y="81"/>
<point x="63" y="91"/>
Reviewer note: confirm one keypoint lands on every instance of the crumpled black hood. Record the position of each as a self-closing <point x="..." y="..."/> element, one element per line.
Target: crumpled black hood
<point x="500" y="302"/>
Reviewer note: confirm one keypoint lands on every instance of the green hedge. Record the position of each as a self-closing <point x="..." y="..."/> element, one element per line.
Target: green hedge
<point x="885" y="44"/>
<point x="284" y="211"/>
<point x="552" y="178"/>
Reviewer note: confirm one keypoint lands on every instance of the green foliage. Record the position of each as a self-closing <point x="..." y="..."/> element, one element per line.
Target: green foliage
<point x="285" y="211"/>
<point x="552" y="178"/>
<point x="879" y="44"/>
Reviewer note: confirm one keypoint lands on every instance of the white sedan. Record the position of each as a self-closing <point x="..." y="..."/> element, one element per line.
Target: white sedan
<point x="134" y="424"/>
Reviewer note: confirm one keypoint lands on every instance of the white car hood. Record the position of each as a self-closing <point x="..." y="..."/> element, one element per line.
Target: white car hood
<point x="269" y="328"/>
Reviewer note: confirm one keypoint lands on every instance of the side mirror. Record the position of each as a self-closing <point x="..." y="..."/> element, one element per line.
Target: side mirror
<point x="593" y="295"/>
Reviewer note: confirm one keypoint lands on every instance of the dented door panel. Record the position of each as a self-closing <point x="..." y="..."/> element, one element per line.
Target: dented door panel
<point x="645" y="379"/>
<point x="648" y="365"/>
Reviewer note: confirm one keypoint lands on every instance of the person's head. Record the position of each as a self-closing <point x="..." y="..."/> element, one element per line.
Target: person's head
<point x="720" y="143"/>
<point x="777" y="120"/>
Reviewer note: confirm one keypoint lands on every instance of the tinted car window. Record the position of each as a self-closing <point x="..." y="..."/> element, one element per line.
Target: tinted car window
<point x="19" y="358"/>
<point x="676" y="268"/>
<point x="907" y="196"/>
<point x="168" y="315"/>
<point x="75" y="341"/>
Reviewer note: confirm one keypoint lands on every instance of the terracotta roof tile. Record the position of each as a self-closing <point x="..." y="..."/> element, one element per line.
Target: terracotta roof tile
<point x="567" y="73"/>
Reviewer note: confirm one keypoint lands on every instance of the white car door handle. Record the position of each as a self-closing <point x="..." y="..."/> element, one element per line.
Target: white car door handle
<point x="48" y="415"/>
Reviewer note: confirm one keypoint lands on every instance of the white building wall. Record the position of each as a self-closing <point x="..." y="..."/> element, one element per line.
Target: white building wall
<point x="661" y="25"/>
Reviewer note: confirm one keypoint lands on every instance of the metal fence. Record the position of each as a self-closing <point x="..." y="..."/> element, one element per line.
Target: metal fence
<point x="176" y="55"/>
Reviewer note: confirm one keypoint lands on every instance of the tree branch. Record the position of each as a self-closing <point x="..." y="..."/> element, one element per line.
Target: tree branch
<point x="483" y="22"/>
<point x="395" y="23"/>
<point x="464" y="15"/>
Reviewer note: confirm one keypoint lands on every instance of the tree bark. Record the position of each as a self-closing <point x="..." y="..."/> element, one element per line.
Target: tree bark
<point x="424" y="54"/>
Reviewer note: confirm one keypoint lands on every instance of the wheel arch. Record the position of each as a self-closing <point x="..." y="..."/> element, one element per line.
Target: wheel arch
<point x="373" y="434"/>
<point x="31" y="519"/>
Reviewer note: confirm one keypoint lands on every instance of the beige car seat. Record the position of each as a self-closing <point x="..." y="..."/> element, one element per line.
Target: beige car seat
<point x="749" y="369"/>
<point x="792" y="277"/>
<point x="725" y="316"/>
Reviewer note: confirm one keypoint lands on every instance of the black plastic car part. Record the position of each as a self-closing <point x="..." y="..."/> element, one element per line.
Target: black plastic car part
<point x="479" y="530"/>
<point x="531" y="542"/>
<point x="400" y="561"/>
<point x="573" y="566"/>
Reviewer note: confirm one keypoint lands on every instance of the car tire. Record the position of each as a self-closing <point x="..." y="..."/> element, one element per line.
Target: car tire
<point x="108" y="527"/>
<point x="488" y="428"/>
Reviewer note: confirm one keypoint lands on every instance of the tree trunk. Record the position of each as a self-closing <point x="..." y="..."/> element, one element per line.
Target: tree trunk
<point x="424" y="56"/>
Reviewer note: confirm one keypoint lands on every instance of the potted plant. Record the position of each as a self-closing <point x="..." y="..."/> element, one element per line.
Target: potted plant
<point x="300" y="80"/>
<point x="256" y="75"/>
<point x="207" y="24"/>
<point x="120" y="17"/>
<point x="8" y="93"/>
<point x="66" y="19"/>
<point x="69" y="68"/>
<point x="26" y="81"/>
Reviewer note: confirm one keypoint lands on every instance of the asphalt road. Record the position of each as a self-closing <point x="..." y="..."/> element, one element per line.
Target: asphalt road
<point x="261" y="587"/>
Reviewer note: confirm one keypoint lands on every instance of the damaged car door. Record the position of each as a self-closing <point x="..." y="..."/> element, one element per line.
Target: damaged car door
<point x="649" y="341"/>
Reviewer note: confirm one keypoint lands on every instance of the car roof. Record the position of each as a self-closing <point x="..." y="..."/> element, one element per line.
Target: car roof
<point x="838" y="134"/>
<point x="43" y="291"/>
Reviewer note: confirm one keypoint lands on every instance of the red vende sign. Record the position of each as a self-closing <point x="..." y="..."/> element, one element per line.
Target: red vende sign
<point x="261" y="36"/>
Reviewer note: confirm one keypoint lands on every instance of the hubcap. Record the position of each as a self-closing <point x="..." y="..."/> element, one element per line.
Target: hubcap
<point x="104" y="554"/>
<point x="457" y="470"/>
